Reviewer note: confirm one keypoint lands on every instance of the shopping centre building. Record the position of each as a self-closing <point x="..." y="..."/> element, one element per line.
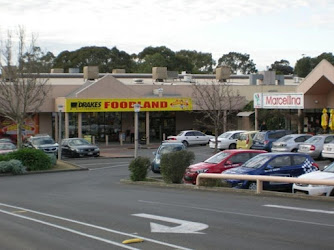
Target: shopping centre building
<point x="101" y="105"/>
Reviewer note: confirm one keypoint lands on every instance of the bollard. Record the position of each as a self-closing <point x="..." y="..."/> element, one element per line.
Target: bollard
<point x="163" y="136"/>
<point x="107" y="140"/>
<point x="121" y="139"/>
<point x="93" y="139"/>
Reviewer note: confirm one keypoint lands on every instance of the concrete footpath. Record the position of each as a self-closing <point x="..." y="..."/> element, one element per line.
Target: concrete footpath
<point x="116" y="150"/>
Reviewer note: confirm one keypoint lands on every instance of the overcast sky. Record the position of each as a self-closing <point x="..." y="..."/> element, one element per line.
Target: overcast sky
<point x="268" y="30"/>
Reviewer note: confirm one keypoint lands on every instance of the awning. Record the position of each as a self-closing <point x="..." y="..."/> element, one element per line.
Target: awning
<point x="245" y="113"/>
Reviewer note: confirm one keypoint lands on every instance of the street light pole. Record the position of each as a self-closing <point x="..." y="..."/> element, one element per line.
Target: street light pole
<point x="136" y="109"/>
<point x="60" y="108"/>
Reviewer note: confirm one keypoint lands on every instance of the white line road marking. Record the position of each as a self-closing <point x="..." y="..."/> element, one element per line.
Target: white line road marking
<point x="117" y="166"/>
<point x="185" y="227"/>
<point x="104" y="163"/>
<point x="69" y="230"/>
<point x="235" y="213"/>
<point x="94" y="226"/>
<point x="301" y="209"/>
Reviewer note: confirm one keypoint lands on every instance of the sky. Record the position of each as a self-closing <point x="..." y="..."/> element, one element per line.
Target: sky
<point x="267" y="30"/>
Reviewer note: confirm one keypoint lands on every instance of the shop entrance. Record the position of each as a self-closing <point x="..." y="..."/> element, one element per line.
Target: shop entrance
<point x="161" y="123"/>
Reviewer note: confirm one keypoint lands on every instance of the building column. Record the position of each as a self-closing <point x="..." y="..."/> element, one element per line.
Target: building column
<point x="147" y="128"/>
<point x="256" y="127"/>
<point x="300" y="121"/>
<point x="67" y="131"/>
<point x="56" y="127"/>
<point x="225" y="121"/>
<point x="79" y="125"/>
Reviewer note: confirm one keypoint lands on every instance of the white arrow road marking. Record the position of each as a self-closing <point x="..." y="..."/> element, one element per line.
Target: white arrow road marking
<point x="301" y="209"/>
<point x="185" y="227"/>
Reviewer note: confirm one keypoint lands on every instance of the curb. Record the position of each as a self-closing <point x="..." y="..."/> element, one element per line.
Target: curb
<point x="160" y="183"/>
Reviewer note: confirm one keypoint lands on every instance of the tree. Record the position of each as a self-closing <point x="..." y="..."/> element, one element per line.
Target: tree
<point x="22" y="92"/>
<point x="282" y="67"/>
<point x="238" y="62"/>
<point x="303" y="66"/>
<point x="216" y="102"/>
<point x="43" y="62"/>
<point x="201" y="62"/>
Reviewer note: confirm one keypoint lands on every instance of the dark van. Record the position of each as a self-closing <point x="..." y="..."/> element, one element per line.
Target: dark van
<point x="264" y="140"/>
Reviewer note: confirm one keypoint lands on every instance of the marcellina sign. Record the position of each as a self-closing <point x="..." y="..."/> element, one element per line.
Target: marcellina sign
<point x="279" y="100"/>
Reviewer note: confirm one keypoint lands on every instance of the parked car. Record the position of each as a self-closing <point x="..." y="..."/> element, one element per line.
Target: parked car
<point x="42" y="142"/>
<point x="289" y="143"/>
<point x="220" y="162"/>
<point x="164" y="148"/>
<point x="7" y="147"/>
<point x="190" y="137"/>
<point x="263" y="140"/>
<point x="273" y="164"/>
<point x="326" y="174"/>
<point x="6" y="140"/>
<point x="245" y="139"/>
<point x="227" y="140"/>
<point x="328" y="151"/>
<point x="78" y="147"/>
<point x="315" y="144"/>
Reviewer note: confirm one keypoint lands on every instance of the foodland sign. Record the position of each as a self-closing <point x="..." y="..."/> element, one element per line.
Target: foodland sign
<point x="279" y="100"/>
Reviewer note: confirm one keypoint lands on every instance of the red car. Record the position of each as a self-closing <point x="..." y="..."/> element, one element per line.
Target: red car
<point x="220" y="162"/>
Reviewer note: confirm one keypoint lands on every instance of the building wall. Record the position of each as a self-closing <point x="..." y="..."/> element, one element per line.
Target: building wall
<point x="45" y="123"/>
<point x="184" y="121"/>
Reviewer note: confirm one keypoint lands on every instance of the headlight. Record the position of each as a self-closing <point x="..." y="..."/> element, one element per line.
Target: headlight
<point x="78" y="150"/>
<point x="96" y="149"/>
<point x="157" y="161"/>
<point x="202" y="171"/>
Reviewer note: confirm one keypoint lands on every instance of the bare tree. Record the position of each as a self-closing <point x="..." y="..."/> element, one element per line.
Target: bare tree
<point x="215" y="101"/>
<point x="22" y="91"/>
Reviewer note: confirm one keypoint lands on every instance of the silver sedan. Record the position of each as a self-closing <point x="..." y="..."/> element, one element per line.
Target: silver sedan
<point x="289" y="143"/>
<point x="315" y="144"/>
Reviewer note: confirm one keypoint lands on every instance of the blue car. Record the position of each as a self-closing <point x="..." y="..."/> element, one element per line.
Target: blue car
<point x="263" y="140"/>
<point x="164" y="148"/>
<point x="273" y="164"/>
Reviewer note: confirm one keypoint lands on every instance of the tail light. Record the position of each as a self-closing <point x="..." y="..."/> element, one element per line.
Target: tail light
<point x="266" y="142"/>
<point x="312" y="148"/>
<point x="315" y="165"/>
<point x="247" y="141"/>
<point x="172" y="139"/>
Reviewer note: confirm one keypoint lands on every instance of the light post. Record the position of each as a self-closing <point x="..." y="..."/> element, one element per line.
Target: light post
<point x="136" y="109"/>
<point x="60" y="109"/>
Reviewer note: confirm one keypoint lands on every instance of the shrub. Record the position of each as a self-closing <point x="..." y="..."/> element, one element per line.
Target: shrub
<point x="174" y="164"/>
<point x="13" y="166"/>
<point x="53" y="159"/>
<point x="32" y="159"/>
<point x="139" y="168"/>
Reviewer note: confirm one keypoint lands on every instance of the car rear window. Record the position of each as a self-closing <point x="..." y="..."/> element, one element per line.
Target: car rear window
<point x="259" y="137"/>
<point x="313" y="139"/>
<point x="299" y="159"/>
<point x="225" y="135"/>
<point x="284" y="139"/>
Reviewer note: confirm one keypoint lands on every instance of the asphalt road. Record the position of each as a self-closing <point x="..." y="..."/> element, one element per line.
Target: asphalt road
<point x="94" y="210"/>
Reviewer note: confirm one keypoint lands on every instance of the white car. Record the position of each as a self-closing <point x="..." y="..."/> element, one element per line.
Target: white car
<point x="190" y="137"/>
<point x="326" y="174"/>
<point x="227" y="140"/>
<point x="328" y="151"/>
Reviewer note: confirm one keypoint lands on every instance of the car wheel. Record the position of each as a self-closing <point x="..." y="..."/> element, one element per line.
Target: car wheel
<point x="185" y="143"/>
<point x="252" y="186"/>
<point x="232" y="146"/>
<point x="332" y="193"/>
<point x="294" y="150"/>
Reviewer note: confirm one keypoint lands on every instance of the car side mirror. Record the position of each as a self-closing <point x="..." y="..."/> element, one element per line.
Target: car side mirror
<point x="228" y="163"/>
<point x="269" y="167"/>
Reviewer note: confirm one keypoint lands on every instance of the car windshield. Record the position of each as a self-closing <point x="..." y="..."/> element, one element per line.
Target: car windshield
<point x="225" y="135"/>
<point x="7" y="146"/>
<point x="284" y="139"/>
<point x="330" y="168"/>
<point x="313" y="139"/>
<point x="181" y="133"/>
<point x="78" y="142"/>
<point x="164" y="149"/>
<point x="43" y="141"/>
<point x="257" y="161"/>
<point x="217" y="158"/>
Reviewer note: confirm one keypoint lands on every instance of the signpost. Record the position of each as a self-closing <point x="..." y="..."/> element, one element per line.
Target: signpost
<point x="136" y="109"/>
<point x="60" y="109"/>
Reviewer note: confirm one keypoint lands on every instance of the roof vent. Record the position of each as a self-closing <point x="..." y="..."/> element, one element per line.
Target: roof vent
<point x="57" y="70"/>
<point x="159" y="74"/>
<point x="138" y="80"/>
<point x="118" y="71"/>
<point x="73" y="70"/>
<point x="91" y="72"/>
<point x="223" y="73"/>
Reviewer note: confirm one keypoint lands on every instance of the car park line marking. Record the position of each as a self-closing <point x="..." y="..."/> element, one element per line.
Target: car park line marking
<point x="103" y="163"/>
<point x="301" y="209"/>
<point x="185" y="227"/>
<point x="69" y="230"/>
<point x="235" y="213"/>
<point x="94" y="226"/>
<point x="116" y="166"/>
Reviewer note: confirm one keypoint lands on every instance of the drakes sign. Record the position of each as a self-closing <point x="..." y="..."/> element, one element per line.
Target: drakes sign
<point x="279" y="100"/>
<point x="126" y="105"/>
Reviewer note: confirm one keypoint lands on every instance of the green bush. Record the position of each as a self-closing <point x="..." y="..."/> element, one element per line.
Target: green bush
<point x="139" y="168"/>
<point x="13" y="166"/>
<point x="174" y="164"/>
<point x="32" y="159"/>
